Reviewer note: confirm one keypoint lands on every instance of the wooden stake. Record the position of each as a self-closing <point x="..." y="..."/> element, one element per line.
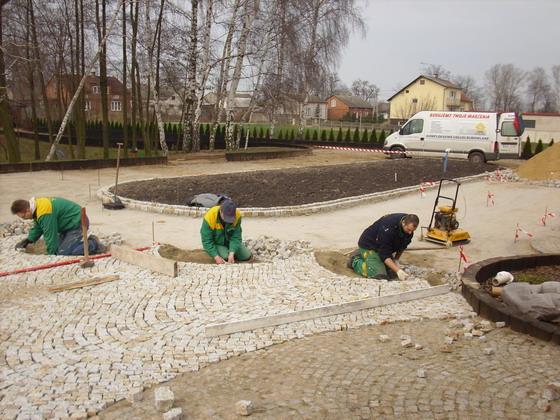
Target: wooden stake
<point x="83" y="283"/>
<point x="157" y="264"/>
<point x="215" y="330"/>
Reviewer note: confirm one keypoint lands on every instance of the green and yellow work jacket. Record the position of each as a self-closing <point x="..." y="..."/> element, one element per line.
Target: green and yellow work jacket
<point x="53" y="216"/>
<point x="215" y="232"/>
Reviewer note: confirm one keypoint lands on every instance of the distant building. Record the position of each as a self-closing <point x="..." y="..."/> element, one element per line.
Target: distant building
<point x="427" y="93"/>
<point x="60" y="90"/>
<point x="339" y="106"/>
<point x="543" y="126"/>
<point x="316" y="109"/>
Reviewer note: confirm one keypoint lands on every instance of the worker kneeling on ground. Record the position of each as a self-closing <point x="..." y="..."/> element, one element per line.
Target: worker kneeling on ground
<point x="221" y="234"/>
<point x="59" y="221"/>
<point x="382" y="244"/>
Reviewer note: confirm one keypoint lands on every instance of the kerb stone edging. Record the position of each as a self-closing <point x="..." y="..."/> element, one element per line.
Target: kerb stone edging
<point x="300" y="210"/>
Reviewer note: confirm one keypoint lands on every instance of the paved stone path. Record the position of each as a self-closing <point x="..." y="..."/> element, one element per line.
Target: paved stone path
<point x="352" y="375"/>
<point x="76" y="352"/>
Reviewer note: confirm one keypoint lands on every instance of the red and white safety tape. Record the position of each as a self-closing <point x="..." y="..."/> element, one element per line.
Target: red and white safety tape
<point x="463" y="258"/>
<point x="358" y="149"/>
<point x="547" y="214"/>
<point x="423" y="186"/>
<point x="489" y="198"/>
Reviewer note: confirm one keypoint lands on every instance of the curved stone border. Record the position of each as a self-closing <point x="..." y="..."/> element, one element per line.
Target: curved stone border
<point x="488" y="307"/>
<point x="303" y="209"/>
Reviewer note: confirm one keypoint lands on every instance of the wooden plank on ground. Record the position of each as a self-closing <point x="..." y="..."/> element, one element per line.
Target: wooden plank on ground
<point x="83" y="283"/>
<point x="215" y="330"/>
<point x="151" y="262"/>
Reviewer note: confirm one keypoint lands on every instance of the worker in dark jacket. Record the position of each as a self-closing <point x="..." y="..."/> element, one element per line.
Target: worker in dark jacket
<point x="382" y="244"/>
<point x="59" y="222"/>
<point x="221" y="234"/>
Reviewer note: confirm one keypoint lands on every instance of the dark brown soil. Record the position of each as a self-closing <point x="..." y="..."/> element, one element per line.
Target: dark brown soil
<point x="287" y="187"/>
<point x="198" y="256"/>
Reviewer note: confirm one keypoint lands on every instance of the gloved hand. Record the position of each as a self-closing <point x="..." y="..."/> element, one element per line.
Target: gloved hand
<point x="402" y="275"/>
<point x="23" y="244"/>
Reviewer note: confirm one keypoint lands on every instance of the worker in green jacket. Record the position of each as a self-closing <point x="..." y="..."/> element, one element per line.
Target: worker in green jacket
<point x="221" y="234"/>
<point x="59" y="222"/>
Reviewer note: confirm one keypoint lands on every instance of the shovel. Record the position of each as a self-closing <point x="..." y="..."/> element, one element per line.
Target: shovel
<point x="116" y="204"/>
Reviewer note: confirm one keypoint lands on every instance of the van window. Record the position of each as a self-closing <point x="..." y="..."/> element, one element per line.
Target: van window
<point x="508" y="129"/>
<point x="413" y="127"/>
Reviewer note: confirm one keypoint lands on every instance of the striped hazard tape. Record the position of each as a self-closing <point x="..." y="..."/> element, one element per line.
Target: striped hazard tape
<point x="359" y="149"/>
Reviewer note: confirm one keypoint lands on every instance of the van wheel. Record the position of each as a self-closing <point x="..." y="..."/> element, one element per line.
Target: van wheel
<point x="476" y="157"/>
<point x="398" y="152"/>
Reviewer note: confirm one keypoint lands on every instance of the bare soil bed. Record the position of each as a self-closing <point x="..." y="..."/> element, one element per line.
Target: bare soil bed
<point x="298" y="186"/>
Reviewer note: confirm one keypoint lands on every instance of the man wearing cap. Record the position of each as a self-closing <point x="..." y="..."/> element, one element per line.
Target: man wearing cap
<point x="221" y="234"/>
<point x="59" y="221"/>
<point x="381" y="246"/>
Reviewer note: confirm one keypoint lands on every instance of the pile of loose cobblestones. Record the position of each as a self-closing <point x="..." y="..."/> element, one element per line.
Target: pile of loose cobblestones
<point x="508" y="175"/>
<point x="75" y="352"/>
<point x="268" y="248"/>
<point x="17" y="227"/>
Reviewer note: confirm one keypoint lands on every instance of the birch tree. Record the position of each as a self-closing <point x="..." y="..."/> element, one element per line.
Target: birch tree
<point x="151" y="39"/>
<point x="188" y="132"/>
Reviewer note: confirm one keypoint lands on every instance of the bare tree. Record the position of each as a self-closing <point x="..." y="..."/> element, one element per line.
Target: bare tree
<point x="12" y="144"/>
<point x="407" y="110"/>
<point x="556" y="85"/>
<point x="470" y="88"/>
<point x="436" y="70"/>
<point x="101" y="24"/>
<point x="365" y="90"/>
<point x="152" y="38"/>
<point x="539" y="91"/>
<point x="504" y="83"/>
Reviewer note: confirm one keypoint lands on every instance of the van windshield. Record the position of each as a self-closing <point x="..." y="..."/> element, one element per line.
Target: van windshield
<point x="413" y="127"/>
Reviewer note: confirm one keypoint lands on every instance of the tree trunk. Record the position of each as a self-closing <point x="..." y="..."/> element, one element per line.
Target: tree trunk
<point x="188" y="132"/>
<point x="79" y="113"/>
<point x="12" y="143"/>
<point x="39" y="65"/>
<point x="204" y="75"/>
<point x="125" y="92"/>
<point x="152" y="64"/>
<point x="222" y="81"/>
<point x="250" y="12"/>
<point x="81" y="85"/>
<point x="134" y="99"/>
<point x="31" y="80"/>
<point x="101" y="23"/>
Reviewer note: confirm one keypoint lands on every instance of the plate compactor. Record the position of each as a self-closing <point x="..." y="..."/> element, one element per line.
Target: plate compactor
<point x="444" y="227"/>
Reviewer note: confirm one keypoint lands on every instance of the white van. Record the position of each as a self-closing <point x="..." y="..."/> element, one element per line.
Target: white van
<point x="477" y="136"/>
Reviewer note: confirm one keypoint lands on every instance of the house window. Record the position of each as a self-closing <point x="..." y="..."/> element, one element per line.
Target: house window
<point x="422" y="81"/>
<point x="95" y="89"/>
<point x="406" y="91"/>
<point x="333" y="103"/>
<point x="87" y="106"/>
<point x="414" y="100"/>
<point x="115" y="105"/>
<point x="530" y="123"/>
<point x="451" y="93"/>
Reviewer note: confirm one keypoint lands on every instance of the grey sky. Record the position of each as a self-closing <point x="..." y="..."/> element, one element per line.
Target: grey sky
<point x="467" y="37"/>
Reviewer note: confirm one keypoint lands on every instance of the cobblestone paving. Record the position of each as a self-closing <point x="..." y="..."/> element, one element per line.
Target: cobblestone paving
<point x="76" y="352"/>
<point x="352" y="375"/>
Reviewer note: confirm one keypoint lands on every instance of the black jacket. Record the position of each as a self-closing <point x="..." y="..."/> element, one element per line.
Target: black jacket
<point x="386" y="236"/>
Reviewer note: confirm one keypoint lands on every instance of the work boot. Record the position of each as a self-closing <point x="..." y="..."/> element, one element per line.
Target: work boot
<point x="350" y="262"/>
<point x="100" y="248"/>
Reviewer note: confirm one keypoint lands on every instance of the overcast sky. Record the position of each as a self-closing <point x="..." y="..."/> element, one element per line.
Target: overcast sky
<point x="466" y="37"/>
